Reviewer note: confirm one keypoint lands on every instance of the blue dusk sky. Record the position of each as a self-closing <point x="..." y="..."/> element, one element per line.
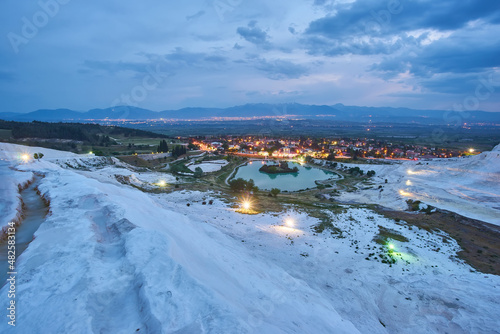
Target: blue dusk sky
<point x="160" y="55"/>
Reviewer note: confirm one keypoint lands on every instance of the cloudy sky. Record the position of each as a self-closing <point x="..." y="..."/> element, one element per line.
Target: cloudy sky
<point x="216" y="53"/>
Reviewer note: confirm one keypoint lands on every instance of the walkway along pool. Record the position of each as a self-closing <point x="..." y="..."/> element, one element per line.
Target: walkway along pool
<point x="304" y="179"/>
<point x="34" y="214"/>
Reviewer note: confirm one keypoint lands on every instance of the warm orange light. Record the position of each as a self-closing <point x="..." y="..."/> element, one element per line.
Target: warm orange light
<point x="404" y="193"/>
<point x="246" y="205"/>
<point x="25" y="157"/>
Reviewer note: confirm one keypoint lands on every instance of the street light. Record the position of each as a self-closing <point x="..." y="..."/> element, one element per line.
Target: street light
<point x="25" y="157"/>
<point x="246" y="205"/>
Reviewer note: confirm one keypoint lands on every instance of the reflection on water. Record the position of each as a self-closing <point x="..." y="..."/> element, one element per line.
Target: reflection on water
<point x="291" y="182"/>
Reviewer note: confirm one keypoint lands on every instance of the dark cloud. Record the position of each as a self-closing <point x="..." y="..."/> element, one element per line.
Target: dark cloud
<point x="368" y="17"/>
<point x="195" y="16"/>
<point x="177" y="59"/>
<point x="281" y="69"/>
<point x="113" y="67"/>
<point x="253" y="34"/>
<point x="452" y="65"/>
<point x="457" y="41"/>
<point x="182" y="58"/>
<point x="460" y="53"/>
<point x="319" y="45"/>
<point x="379" y="27"/>
<point x="438" y="48"/>
<point x="451" y="83"/>
<point x="215" y="59"/>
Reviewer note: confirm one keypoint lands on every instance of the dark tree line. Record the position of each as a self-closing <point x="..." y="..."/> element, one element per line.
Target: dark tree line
<point x="163" y="147"/>
<point x="53" y="131"/>
<point x="242" y="185"/>
<point x="177" y="151"/>
<point x="127" y="132"/>
<point x="358" y="171"/>
<point x="88" y="133"/>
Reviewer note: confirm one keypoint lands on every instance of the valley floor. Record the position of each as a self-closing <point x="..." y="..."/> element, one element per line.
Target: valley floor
<point x="110" y="258"/>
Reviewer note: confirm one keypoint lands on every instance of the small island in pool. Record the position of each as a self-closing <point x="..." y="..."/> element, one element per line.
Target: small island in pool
<point x="281" y="168"/>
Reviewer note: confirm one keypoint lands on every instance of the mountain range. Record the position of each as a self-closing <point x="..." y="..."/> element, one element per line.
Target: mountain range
<point x="337" y="112"/>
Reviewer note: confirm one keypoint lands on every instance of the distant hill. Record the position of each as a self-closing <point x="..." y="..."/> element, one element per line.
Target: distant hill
<point x="86" y="133"/>
<point x="338" y="112"/>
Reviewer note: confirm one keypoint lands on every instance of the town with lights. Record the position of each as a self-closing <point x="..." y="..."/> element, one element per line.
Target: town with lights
<point x="323" y="148"/>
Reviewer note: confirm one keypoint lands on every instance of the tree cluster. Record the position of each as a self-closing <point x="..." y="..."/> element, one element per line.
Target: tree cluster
<point x="179" y="150"/>
<point x="193" y="146"/>
<point x="358" y="171"/>
<point x="177" y="168"/>
<point x="355" y="171"/>
<point x="103" y="140"/>
<point x="198" y="172"/>
<point x="242" y="185"/>
<point x="163" y="147"/>
<point x="281" y="168"/>
<point x="275" y="192"/>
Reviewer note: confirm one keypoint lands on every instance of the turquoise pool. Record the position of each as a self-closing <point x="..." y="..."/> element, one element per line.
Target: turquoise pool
<point x="304" y="179"/>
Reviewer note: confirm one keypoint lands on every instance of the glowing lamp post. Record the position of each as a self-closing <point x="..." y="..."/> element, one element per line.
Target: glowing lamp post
<point x="246" y="205"/>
